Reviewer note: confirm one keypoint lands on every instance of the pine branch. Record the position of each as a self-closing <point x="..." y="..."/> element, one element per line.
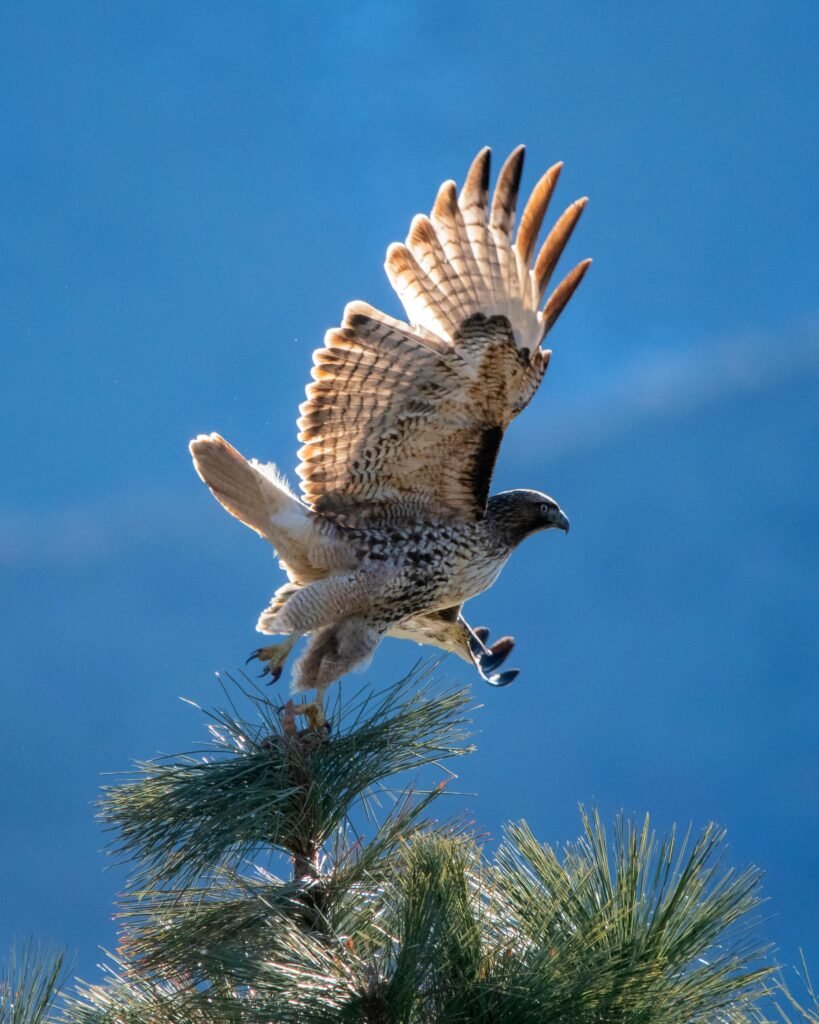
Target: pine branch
<point x="268" y="789"/>
<point x="29" y="985"/>
<point x="229" y="920"/>
<point x="636" y="929"/>
<point x="806" y="1009"/>
<point x="436" y="952"/>
<point x="416" y="926"/>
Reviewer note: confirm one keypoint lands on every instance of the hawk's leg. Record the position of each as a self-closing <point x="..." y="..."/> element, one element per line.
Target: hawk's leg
<point x="313" y="711"/>
<point x="488" y="660"/>
<point x="274" y="656"/>
<point x="332" y="652"/>
<point x="449" y="630"/>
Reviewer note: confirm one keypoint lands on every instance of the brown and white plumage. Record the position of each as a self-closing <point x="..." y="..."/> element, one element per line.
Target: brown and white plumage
<point x="389" y="399"/>
<point x="401" y="428"/>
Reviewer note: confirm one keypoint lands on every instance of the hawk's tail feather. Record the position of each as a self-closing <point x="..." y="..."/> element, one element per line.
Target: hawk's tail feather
<point x="255" y="494"/>
<point x="461" y="260"/>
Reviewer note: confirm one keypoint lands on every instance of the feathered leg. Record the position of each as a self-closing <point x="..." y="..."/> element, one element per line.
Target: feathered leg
<point x="449" y="630"/>
<point x="331" y="652"/>
<point x="273" y="657"/>
<point x="324" y="602"/>
<point x="314" y="608"/>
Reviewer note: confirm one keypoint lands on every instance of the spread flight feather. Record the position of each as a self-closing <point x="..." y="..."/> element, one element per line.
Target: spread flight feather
<point x="390" y="399"/>
<point x="400" y="432"/>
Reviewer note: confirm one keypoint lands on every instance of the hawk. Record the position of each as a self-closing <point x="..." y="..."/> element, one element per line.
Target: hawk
<point x="395" y="528"/>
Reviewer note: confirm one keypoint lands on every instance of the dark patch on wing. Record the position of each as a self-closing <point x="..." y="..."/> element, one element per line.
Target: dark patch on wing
<point x="497" y="323"/>
<point x="484" y="464"/>
<point x="448" y="614"/>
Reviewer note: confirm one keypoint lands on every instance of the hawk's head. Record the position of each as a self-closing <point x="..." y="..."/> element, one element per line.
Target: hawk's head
<point x="516" y="514"/>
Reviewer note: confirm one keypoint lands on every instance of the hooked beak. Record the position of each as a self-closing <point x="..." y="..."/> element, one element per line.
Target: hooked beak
<point x="561" y="521"/>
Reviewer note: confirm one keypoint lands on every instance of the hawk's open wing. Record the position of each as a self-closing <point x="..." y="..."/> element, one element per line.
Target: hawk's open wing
<point x="404" y="418"/>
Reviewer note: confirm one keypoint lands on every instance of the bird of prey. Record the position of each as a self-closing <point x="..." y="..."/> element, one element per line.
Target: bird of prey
<point x="395" y="528"/>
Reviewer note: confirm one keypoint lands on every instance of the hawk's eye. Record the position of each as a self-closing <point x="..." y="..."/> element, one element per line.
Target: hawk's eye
<point x="544" y="509"/>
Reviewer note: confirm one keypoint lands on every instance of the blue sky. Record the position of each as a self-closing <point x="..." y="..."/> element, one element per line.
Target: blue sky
<point x="190" y="194"/>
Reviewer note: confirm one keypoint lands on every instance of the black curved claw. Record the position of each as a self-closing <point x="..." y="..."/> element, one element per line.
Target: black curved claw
<point x="274" y="673"/>
<point x="477" y="646"/>
<point x="267" y="669"/>
<point x="498" y="653"/>
<point x="503" y="678"/>
<point x="482" y="633"/>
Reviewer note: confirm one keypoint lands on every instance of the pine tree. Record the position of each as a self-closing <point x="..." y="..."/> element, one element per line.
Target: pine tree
<point x="256" y="899"/>
<point x="29" y="984"/>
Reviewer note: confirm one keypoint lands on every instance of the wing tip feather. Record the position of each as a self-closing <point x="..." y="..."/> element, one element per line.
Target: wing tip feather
<point x="535" y="210"/>
<point x="563" y="292"/>
<point x="445" y="200"/>
<point x="556" y="241"/>
<point x="477" y="177"/>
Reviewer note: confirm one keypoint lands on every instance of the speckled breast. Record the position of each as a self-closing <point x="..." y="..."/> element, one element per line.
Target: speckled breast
<point x="437" y="565"/>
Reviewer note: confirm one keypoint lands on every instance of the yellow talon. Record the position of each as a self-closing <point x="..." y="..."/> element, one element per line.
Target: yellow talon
<point x="274" y="656"/>
<point x="313" y="711"/>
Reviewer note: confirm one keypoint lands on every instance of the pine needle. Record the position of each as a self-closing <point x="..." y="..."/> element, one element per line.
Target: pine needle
<point x="30" y="983"/>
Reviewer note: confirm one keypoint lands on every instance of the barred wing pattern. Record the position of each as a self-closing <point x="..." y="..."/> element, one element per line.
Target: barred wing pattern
<point x="407" y="418"/>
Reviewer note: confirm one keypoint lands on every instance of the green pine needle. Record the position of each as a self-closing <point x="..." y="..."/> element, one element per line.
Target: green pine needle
<point x="633" y="924"/>
<point x="260" y="788"/>
<point x="29" y="985"/>
<point x="417" y="925"/>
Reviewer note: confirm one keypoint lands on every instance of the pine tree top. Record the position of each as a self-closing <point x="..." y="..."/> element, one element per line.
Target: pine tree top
<point x="255" y="899"/>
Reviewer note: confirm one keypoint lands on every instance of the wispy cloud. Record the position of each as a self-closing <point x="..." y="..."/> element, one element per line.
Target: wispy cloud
<point x="664" y="383"/>
<point x="73" y="535"/>
<point x="678" y="382"/>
